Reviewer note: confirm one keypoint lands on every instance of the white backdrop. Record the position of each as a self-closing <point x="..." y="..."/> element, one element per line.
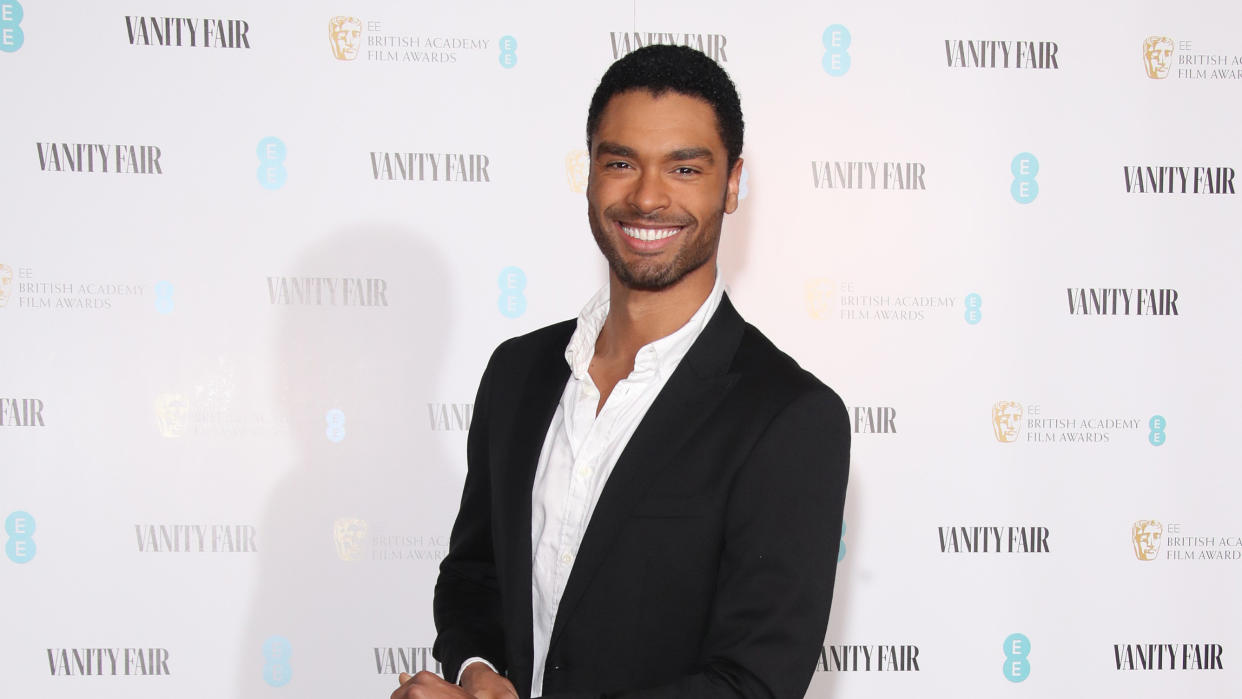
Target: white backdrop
<point x="234" y="388"/>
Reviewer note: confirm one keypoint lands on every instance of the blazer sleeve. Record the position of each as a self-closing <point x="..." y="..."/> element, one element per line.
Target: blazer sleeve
<point x="467" y="602"/>
<point x="774" y="587"/>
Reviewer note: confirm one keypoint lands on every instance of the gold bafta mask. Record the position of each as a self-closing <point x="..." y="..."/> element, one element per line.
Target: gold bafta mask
<point x="1146" y="534"/>
<point x="349" y="533"/>
<point x="577" y="167"/>
<point x="1158" y="56"/>
<point x="1006" y="420"/>
<point x="6" y="279"/>
<point x="171" y="414"/>
<point x="818" y="292"/>
<point x="345" y="33"/>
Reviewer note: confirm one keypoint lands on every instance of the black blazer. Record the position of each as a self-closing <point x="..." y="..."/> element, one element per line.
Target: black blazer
<point x="707" y="567"/>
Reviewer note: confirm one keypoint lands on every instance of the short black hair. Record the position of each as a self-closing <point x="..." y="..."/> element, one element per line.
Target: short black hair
<point x="659" y="68"/>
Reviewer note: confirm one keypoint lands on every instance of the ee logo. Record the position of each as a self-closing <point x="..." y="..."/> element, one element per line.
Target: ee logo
<point x="1157" y="423"/>
<point x="11" y="35"/>
<point x="276" y="652"/>
<point x="1017" y="667"/>
<point x="20" y="527"/>
<point x="336" y="425"/>
<point x="836" y="55"/>
<point x="974" y="304"/>
<point x="512" y="282"/>
<point x="1024" y="168"/>
<point x="271" y="172"/>
<point x="841" y="551"/>
<point x="164" y="297"/>
<point x="508" y="51"/>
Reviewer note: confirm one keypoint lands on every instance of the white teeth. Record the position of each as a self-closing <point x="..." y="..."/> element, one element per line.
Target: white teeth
<point x="649" y="233"/>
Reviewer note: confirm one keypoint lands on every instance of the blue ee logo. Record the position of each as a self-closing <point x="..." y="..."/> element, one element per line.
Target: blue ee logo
<point x="20" y="527"/>
<point x="1157" y="423"/>
<point x="1017" y="667"/>
<point x="836" y="55"/>
<point x="1024" y="168"/>
<point x="276" y="669"/>
<point x="164" y="297"/>
<point x="336" y="425"/>
<point x="271" y="172"/>
<point x="974" y="306"/>
<point x="11" y="35"/>
<point x="512" y="282"/>
<point x="841" y="551"/>
<point x="508" y="51"/>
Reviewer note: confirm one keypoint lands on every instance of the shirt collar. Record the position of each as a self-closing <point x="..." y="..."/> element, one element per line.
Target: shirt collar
<point x="664" y="353"/>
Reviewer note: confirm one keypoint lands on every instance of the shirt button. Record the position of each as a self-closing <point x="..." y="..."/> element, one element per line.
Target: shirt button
<point x="584" y="472"/>
<point x="567" y="558"/>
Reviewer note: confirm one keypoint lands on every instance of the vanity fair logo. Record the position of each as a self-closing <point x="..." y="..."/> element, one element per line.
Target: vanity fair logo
<point x="1168" y="656"/>
<point x="1153" y="541"/>
<point x="450" y="417"/>
<point x="1103" y="301"/>
<point x="112" y="662"/>
<point x="21" y="412"/>
<point x="850" y="301"/>
<point x="31" y="291"/>
<point x="1031" y="424"/>
<point x="196" y="538"/>
<point x="375" y="41"/>
<point x="994" y="539"/>
<point x="394" y="660"/>
<point x="357" y="540"/>
<point x="371" y="292"/>
<point x="1041" y="55"/>
<point x="99" y="158"/>
<point x="430" y="167"/>
<point x="868" y="174"/>
<point x="874" y="420"/>
<point x="187" y="31"/>
<point x="877" y="658"/>
<point x="1177" y="179"/>
<point x="712" y="45"/>
<point x="1187" y="60"/>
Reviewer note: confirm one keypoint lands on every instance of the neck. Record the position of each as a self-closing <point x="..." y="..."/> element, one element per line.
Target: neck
<point x="637" y="318"/>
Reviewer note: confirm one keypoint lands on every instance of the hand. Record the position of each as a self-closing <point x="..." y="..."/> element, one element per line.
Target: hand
<point x="427" y="685"/>
<point x="482" y="682"/>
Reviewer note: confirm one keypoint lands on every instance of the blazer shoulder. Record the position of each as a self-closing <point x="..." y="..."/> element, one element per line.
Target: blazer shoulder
<point x="535" y="344"/>
<point x="769" y="374"/>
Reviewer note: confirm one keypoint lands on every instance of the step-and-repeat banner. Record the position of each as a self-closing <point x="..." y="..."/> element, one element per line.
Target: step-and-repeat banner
<point x="254" y="256"/>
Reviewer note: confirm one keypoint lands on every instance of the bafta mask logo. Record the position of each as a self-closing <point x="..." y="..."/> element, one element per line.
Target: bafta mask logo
<point x="818" y="295"/>
<point x="6" y="280"/>
<point x="172" y="413"/>
<point x="1006" y="420"/>
<point x="577" y="167"/>
<point x="1158" y="56"/>
<point x="349" y="532"/>
<point x="345" y="33"/>
<point x="1146" y="534"/>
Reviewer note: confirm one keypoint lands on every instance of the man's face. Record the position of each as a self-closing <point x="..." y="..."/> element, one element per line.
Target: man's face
<point x="659" y="187"/>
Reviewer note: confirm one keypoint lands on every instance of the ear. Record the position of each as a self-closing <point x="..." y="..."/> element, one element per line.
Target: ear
<point x="731" y="189"/>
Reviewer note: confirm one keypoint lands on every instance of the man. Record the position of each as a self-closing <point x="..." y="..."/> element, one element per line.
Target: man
<point x="654" y="494"/>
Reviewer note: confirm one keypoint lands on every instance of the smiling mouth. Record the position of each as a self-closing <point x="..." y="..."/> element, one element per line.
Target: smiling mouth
<point x="649" y="234"/>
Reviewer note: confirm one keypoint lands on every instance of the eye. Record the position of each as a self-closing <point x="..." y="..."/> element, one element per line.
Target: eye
<point x="617" y="165"/>
<point x="686" y="170"/>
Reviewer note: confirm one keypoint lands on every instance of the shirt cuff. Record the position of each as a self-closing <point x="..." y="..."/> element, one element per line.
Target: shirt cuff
<point x="470" y="661"/>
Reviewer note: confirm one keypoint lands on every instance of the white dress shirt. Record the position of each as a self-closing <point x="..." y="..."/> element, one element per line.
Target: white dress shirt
<point x="581" y="449"/>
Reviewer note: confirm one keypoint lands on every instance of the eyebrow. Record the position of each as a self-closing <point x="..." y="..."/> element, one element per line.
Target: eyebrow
<point x="680" y="154"/>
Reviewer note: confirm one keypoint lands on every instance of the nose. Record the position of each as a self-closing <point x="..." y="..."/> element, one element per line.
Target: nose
<point x="649" y="194"/>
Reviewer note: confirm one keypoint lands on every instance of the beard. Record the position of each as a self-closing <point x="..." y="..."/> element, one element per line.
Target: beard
<point x="645" y="272"/>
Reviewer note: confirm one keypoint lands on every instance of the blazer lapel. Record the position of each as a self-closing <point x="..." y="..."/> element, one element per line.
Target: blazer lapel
<point x="520" y="453"/>
<point x="696" y="386"/>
